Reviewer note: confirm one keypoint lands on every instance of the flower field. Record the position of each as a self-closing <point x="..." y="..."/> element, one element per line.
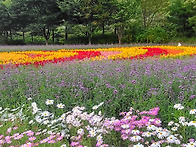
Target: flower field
<point x="105" y="97"/>
<point x="43" y="57"/>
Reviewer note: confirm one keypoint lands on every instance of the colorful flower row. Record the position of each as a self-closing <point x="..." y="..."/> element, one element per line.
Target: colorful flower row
<point x="42" y="57"/>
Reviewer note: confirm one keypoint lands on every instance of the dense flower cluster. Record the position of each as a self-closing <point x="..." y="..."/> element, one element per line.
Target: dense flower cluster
<point x="42" y="57"/>
<point x="139" y="128"/>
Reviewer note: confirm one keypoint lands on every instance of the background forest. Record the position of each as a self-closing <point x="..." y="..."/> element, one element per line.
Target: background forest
<point x="97" y="21"/>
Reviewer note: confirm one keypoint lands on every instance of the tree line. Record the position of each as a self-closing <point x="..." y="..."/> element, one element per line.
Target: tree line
<point x="58" y="21"/>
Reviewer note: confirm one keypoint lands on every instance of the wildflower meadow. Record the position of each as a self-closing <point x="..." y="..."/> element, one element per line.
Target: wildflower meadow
<point x="141" y="96"/>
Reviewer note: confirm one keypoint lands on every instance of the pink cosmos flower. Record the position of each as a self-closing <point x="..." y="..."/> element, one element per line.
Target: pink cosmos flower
<point x="18" y="137"/>
<point x="36" y="144"/>
<point x="191" y="140"/>
<point x="1" y="136"/>
<point x="51" y="141"/>
<point x="8" y="141"/>
<point x="59" y="138"/>
<point x="9" y="130"/>
<point x="99" y="143"/>
<point x="32" y="138"/>
<point x="44" y="141"/>
<point x="16" y="134"/>
<point x="14" y="128"/>
<point x="8" y="137"/>
<point x="30" y="133"/>
<point x="74" y="143"/>
<point x="38" y="133"/>
<point x="2" y="142"/>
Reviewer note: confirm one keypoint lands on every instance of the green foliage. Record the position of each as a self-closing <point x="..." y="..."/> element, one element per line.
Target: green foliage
<point x="154" y="35"/>
<point x="180" y="13"/>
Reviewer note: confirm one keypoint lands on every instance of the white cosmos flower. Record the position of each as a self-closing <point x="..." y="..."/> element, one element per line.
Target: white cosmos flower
<point x="170" y="123"/>
<point x="176" y="124"/>
<point x="38" y="119"/>
<point x="31" y="121"/>
<point x="177" y="141"/>
<point x="181" y="107"/>
<point x="99" y="137"/>
<point x="95" y="107"/>
<point x="60" y="105"/>
<point x="45" y="113"/>
<point x="34" y="104"/>
<point x="155" y="144"/>
<point x="151" y="127"/>
<point x="193" y="111"/>
<point x="35" y="110"/>
<point x="49" y="102"/>
<point x="146" y="134"/>
<point x="138" y="145"/>
<point x="29" y="98"/>
<point x="92" y="132"/>
<point x="80" y="131"/>
<point x="135" y="138"/>
<point x="46" y="122"/>
<point x="171" y="139"/>
<point x="192" y="123"/>
<point x="174" y="128"/>
<point x="135" y="132"/>
<point x="1" y="108"/>
<point x="191" y="144"/>
<point x="161" y="134"/>
<point x="181" y="118"/>
<point x="63" y="145"/>
<point x="62" y="117"/>
<point x="125" y="126"/>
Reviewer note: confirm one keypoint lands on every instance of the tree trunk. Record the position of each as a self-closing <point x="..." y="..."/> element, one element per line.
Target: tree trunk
<point x="6" y="34"/>
<point x="119" y="38"/>
<point x="23" y="36"/>
<point x="11" y="35"/>
<point x="120" y="30"/>
<point x="103" y="29"/>
<point x="144" y="18"/>
<point x="89" y="40"/>
<point x="52" y="36"/>
<point x="46" y="41"/>
<point x="32" y="38"/>
<point x="66" y="33"/>
<point x="115" y="31"/>
<point x="46" y="32"/>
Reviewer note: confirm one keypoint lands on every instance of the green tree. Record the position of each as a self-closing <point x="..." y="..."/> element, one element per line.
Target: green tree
<point x="182" y="17"/>
<point x="152" y="11"/>
<point x="5" y="18"/>
<point x="124" y="13"/>
<point x="88" y="13"/>
<point x="41" y="15"/>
